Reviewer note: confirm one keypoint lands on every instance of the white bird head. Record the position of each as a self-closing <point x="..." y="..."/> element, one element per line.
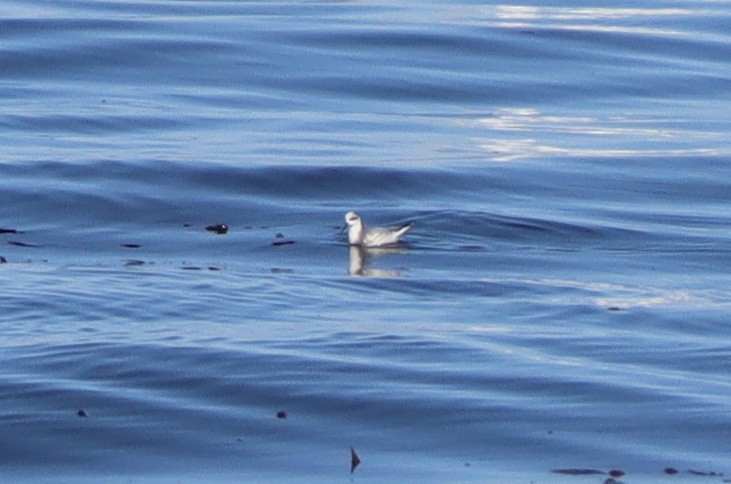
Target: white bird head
<point x="352" y="218"/>
<point x="354" y="225"/>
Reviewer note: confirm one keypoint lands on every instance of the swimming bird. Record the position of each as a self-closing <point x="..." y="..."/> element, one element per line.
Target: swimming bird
<point x="359" y="234"/>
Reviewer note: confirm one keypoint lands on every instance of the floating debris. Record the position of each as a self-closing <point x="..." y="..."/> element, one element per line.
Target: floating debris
<point x="279" y="270"/>
<point x="671" y="471"/>
<point x="10" y="231"/>
<point x="81" y="413"/>
<point x="134" y="262"/>
<point x="578" y="472"/>
<point x="22" y="244"/>
<point x="616" y="473"/>
<point x="280" y="240"/>
<point x="131" y="246"/>
<point x="191" y="268"/>
<point x="281" y="414"/>
<point x="214" y="268"/>
<point x="474" y="248"/>
<point x="218" y="228"/>
<point x="705" y="473"/>
<point x="354" y="460"/>
<point x="3" y="260"/>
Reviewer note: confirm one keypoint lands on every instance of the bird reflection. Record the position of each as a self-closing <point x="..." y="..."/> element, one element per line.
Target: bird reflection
<point x="359" y="258"/>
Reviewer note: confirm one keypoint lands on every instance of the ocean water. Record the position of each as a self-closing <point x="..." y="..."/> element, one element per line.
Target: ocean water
<point x="561" y="305"/>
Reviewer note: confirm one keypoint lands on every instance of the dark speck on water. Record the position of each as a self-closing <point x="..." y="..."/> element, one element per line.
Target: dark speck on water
<point x="18" y="243"/>
<point x="705" y="473"/>
<point x="578" y="472"/>
<point x="279" y="270"/>
<point x="354" y="460"/>
<point x="218" y="228"/>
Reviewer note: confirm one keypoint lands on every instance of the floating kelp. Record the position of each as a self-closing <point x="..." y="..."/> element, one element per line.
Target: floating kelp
<point x="218" y="228"/>
<point x="17" y="243"/>
<point x="354" y="460"/>
<point x="279" y="270"/>
<point x="578" y="472"/>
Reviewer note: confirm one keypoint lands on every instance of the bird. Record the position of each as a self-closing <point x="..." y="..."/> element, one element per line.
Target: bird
<point x="360" y="235"/>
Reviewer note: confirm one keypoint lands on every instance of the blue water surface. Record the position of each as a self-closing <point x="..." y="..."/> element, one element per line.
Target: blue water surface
<point x="560" y="306"/>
